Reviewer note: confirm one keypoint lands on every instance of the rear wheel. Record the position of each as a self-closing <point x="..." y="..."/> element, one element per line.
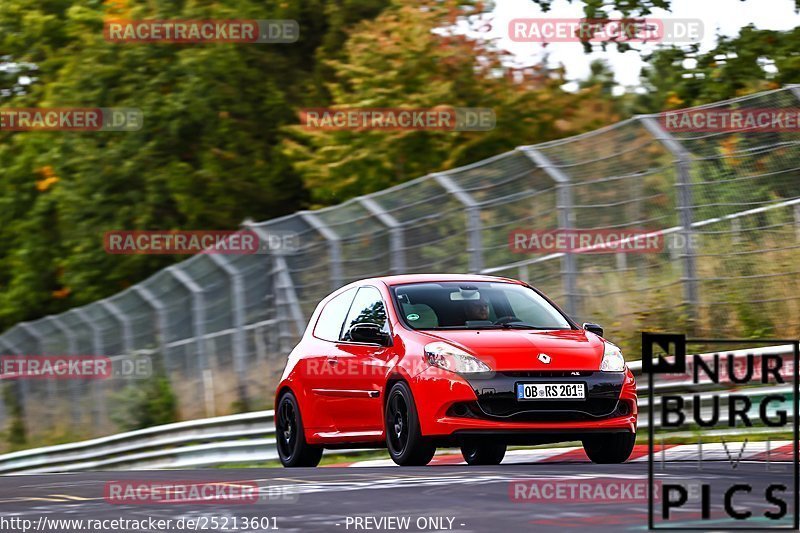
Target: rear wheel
<point x="293" y="449"/>
<point x="609" y="449"/>
<point x="483" y="453"/>
<point x="407" y="446"/>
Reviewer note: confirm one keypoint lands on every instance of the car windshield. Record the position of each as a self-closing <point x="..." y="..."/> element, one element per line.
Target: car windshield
<point x="476" y="305"/>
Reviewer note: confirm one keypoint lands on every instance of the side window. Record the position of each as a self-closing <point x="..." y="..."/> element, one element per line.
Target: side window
<point x="329" y="324"/>
<point x="367" y="308"/>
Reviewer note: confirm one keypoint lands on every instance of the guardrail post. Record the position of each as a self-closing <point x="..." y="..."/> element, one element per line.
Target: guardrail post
<point x="396" y="237"/>
<point x="72" y="349"/>
<point x="683" y="161"/>
<point x="566" y="220"/>
<point x="199" y="330"/>
<point x="474" y="226"/>
<point x="98" y="402"/>
<point x="237" y="312"/>
<point x="334" y="246"/>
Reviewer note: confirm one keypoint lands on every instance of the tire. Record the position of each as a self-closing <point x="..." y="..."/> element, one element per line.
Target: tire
<point x="290" y="437"/>
<point x="483" y="453"/>
<point x="404" y="439"/>
<point x="609" y="449"/>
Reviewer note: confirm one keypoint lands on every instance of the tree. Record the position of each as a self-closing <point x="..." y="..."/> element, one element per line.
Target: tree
<point x="207" y="157"/>
<point x="753" y="61"/>
<point x="410" y="57"/>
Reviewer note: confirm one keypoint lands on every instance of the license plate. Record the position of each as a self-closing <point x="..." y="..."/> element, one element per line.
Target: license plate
<point x="551" y="391"/>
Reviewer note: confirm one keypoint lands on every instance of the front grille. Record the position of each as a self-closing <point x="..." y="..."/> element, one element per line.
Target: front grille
<point x="507" y="413"/>
<point x="497" y="400"/>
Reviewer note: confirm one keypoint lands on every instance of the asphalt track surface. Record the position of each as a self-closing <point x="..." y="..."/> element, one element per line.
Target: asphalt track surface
<point x="476" y="499"/>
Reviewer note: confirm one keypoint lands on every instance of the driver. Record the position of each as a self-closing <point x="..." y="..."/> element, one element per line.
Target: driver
<point x="477" y="309"/>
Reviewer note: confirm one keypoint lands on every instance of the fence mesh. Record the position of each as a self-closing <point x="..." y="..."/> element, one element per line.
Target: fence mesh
<point x="218" y="329"/>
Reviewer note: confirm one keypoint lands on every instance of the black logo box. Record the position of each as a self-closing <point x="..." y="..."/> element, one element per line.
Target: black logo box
<point x="678" y="342"/>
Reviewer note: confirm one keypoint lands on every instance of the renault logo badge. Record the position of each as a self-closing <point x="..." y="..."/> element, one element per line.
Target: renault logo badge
<point x="544" y="358"/>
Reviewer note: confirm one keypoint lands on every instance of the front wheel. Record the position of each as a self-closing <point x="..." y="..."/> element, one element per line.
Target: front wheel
<point x="483" y="453"/>
<point x="404" y="439"/>
<point x="609" y="449"/>
<point x="293" y="449"/>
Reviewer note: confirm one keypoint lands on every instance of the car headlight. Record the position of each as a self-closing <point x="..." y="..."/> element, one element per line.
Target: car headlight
<point x="612" y="359"/>
<point x="448" y="357"/>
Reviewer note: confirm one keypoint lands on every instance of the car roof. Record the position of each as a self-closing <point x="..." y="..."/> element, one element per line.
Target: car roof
<point x="419" y="278"/>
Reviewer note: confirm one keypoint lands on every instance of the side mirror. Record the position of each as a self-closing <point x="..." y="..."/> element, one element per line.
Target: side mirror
<point x="370" y="333"/>
<point x="594" y="328"/>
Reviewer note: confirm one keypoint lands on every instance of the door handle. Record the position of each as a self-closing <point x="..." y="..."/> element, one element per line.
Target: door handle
<point x="333" y="360"/>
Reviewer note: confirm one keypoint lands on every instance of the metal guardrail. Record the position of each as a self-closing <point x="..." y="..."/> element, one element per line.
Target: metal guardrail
<point x="203" y="442"/>
<point x="241" y="438"/>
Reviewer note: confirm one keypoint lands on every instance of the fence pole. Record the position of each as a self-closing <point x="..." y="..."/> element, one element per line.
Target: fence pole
<point x="796" y="212"/>
<point x="21" y="392"/>
<point x="98" y="402"/>
<point x="683" y="161"/>
<point x="124" y="322"/>
<point x="396" y="237"/>
<point x="3" y="410"/>
<point x="334" y="246"/>
<point x="474" y="226"/>
<point x="795" y="89"/>
<point x="160" y="311"/>
<point x="199" y="331"/>
<point x="566" y="220"/>
<point x="72" y="349"/>
<point x="285" y="293"/>
<point x="50" y="384"/>
<point x="237" y="313"/>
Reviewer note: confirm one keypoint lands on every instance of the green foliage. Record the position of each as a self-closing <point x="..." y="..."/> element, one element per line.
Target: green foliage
<point x="206" y="158"/>
<point x="147" y="404"/>
<point x="753" y="61"/>
<point x="398" y="60"/>
<point x="15" y="433"/>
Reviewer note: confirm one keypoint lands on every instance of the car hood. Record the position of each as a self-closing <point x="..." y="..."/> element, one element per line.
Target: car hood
<point x="516" y="349"/>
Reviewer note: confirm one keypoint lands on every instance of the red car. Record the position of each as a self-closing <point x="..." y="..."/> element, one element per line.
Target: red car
<point x="418" y="361"/>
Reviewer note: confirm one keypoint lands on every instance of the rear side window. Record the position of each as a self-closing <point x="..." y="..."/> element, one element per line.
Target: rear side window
<point x="367" y="308"/>
<point x="329" y="324"/>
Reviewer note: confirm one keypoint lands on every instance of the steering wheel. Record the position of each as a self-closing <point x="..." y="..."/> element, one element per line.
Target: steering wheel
<point x="505" y="320"/>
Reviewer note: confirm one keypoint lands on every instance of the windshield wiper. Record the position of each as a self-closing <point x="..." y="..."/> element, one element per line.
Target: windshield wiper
<point x="523" y="325"/>
<point x="507" y="325"/>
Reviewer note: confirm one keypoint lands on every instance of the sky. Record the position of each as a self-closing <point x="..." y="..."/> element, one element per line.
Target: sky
<point x="718" y="16"/>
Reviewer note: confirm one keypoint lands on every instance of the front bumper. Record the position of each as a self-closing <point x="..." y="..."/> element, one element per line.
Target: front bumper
<point x="451" y="406"/>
